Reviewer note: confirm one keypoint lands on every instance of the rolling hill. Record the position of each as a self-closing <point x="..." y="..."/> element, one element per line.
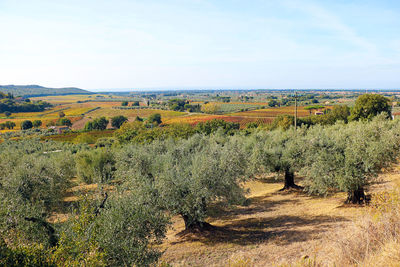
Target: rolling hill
<point x="36" y="90"/>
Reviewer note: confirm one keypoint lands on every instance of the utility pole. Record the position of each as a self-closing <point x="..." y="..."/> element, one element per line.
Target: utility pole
<point x="295" y="110"/>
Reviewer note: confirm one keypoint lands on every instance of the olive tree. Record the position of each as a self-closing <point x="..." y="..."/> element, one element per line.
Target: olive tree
<point x="187" y="175"/>
<point x="95" y="166"/>
<point x="31" y="187"/>
<point x="349" y="157"/>
<point x="121" y="229"/>
<point x="276" y="151"/>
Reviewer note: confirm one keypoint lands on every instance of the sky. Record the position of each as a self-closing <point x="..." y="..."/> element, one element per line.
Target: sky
<point x="200" y="44"/>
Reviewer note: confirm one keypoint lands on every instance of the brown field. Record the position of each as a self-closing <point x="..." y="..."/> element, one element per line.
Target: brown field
<point x="276" y="229"/>
<point x="272" y="112"/>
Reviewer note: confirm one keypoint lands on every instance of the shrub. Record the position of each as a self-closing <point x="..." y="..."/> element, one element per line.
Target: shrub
<point x="27" y="124"/>
<point x="64" y="122"/>
<point x="117" y="121"/>
<point x="155" y="118"/>
<point x="37" y="123"/>
<point x="97" y="124"/>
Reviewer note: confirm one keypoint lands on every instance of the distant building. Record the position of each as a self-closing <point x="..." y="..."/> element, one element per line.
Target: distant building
<point x="59" y="129"/>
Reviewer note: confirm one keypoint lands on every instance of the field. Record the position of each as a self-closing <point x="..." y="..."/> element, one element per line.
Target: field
<point x="104" y="105"/>
<point x="260" y="116"/>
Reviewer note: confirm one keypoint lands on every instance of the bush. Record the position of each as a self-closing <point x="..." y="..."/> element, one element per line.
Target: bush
<point x="37" y="123"/>
<point x="25" y="125"/>
<point x="155" y="118"/>
<point x="117" y="121"/>
<point x="97" y="124"/>
<point x="64" y="122"/>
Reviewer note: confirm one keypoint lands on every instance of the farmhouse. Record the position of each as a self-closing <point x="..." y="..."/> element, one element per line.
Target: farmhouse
<point x="59" y="129"/>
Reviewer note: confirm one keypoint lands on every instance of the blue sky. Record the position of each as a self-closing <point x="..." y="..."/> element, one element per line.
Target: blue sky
<point x="103" y="44"/>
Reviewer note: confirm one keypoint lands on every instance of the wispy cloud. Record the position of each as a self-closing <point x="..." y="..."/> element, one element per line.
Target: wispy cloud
<point x="328" y="20"/>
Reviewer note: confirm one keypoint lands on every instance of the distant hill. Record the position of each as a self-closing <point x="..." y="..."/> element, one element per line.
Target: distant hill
<point x="36" y="90"/>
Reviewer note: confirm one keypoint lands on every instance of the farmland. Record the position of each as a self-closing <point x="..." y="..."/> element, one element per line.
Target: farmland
<point x="82" y="108"/>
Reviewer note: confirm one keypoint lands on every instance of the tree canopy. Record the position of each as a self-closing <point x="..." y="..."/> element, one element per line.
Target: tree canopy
<point x="368" y="106"/>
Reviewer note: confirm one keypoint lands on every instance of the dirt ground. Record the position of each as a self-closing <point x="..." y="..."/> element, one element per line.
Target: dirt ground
<point x="275" y="229"/>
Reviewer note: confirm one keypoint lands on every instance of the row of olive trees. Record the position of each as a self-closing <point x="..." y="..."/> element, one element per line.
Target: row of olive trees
<point x="345" y="157"/>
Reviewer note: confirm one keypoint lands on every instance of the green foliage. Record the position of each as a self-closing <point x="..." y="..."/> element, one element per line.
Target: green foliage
<point x="186" y="175"/>
<point x="105" y="142"/>
<point x="120" y="233"/>
<point x="36" y="90"/>
<point x="369" y="105"/>
<point x="64" y="122"/>
<point x="95" y="166"/>
<point x="337" y="113"/>
<point x="11" y="105"/>
<point x="155" y="118"/>
<point x="273" y="103"/>
<point x="128" y="131"/>
<point x="177" y="104"/>
<point x="117" y="121"/>
<point x="348" y="157"/>
<point x="283" y="122"/>
<point x="37" y="123"/>
<point x="124" y="103"/>
<point x="314" y="107"/>
<point x="26" y="256"/>
<point x="97" y="124"/>
<point x="78" y="245"/>
<point x="129" y="227"/>
<point x="212" y="126"/>
<point x="31" y="187"/>
<point x="27" y="124"/>
<point x="272" y="151"/>
<point x="7" y="113"/>
<point x="84" y="138"/>
<point x="8" y="125"/>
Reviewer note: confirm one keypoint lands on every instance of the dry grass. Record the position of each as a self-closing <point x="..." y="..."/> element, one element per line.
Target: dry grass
<point x="274" y="229"/>
<point x="291" y="229"/>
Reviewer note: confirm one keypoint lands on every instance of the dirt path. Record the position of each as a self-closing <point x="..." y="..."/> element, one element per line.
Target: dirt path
<point x="274" y="230"/>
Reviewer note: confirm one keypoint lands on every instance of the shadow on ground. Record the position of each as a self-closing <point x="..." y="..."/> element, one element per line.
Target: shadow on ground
<point x="281" y="229"/>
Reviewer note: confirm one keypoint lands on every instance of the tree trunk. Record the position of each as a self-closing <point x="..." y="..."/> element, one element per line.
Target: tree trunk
<point x="192" y="225"/>
<point x="356" y="196"/>
<point x="289" y="181"/>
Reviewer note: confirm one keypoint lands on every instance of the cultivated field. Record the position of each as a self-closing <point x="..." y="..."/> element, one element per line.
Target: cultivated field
<point x="80" y="113"/>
